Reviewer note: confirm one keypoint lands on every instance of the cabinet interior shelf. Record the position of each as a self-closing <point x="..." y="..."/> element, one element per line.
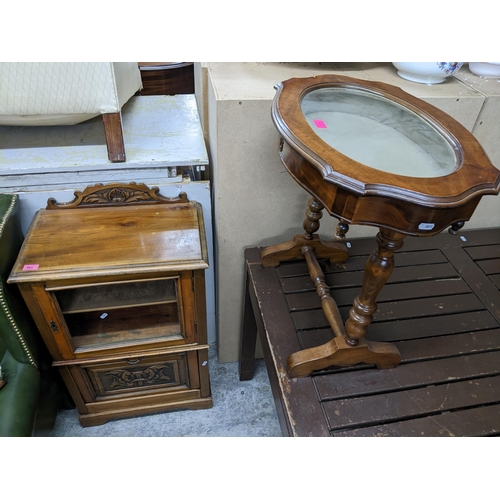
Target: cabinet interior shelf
<point x="125" y="326"/>
<point x="117" y="296"/>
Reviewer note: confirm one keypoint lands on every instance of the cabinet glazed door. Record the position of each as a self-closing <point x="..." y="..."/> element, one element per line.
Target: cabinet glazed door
<point x="127" y="314"/>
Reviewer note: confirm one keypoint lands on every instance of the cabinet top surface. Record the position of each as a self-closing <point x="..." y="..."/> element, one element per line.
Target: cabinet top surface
<point x="85" y="242"/>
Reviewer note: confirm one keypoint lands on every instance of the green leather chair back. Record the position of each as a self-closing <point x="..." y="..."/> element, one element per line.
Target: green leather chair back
<point x="16" y="325"/>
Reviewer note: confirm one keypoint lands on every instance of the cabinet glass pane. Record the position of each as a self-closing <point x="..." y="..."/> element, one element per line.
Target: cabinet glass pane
<point x="121" y="313"/>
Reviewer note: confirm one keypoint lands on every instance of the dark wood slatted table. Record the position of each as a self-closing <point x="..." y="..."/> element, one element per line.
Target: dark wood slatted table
<point x="441" y="308"/>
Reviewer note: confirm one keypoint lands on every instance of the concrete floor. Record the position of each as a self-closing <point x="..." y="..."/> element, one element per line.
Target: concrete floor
<point x="239" y="409"/>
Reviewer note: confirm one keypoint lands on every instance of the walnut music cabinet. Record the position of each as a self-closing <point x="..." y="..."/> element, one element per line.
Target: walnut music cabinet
<point x="369" y="153"/>
<point x="115" y="282"/>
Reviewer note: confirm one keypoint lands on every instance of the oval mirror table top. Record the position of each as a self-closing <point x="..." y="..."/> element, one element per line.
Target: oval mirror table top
<point x="346" y="139"/>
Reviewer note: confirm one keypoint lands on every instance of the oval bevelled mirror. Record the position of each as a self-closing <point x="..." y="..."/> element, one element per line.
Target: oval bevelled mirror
<point x="378" y="132"/>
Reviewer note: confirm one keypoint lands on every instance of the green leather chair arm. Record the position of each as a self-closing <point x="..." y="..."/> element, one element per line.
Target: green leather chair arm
<point x="18" y="397"/>
<point x="31" y="397"/>
<point x="18" y="351"/>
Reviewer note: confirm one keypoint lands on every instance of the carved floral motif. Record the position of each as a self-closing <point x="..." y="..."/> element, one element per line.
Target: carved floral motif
<point x="139" y="377"/>
<point x="116" y="195"/>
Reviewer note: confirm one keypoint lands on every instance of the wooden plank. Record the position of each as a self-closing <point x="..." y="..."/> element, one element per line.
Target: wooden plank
<point x="420" y="349"/>
<point x="483" y="252"/>
<point x="472" y="422"/>
<point x="491" y="266"/>
<point x="411" y="375"/>
<point x="355" y="278"/>
<point x="415" y="308"/>
<point x="433" y="306"/>
<point x="495" y="279"/>
<point x="450" y="345"/>
<point x="390" y="292"/>
<point x="430" y="326"/>
<point x="358" y="262"/>
<point x="424" y="328"/>
<point x="401" y="259"/>
<point x="299" y="268"/>
<point x="410" y="403"/>
<point x="484" y="288"/>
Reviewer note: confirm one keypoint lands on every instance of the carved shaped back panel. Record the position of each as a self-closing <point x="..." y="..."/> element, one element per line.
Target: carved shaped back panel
<point x="115" y="194"/>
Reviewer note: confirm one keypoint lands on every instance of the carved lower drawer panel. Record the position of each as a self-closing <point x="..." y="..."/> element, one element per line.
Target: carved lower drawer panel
<point x="131" y="386"/>
<point x="133" y="375"/>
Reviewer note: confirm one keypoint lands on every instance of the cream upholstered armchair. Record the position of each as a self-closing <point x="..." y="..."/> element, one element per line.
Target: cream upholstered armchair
<point x="66" y="93"/>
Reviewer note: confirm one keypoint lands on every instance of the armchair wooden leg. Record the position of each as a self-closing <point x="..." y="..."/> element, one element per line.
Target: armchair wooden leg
<point x="113" y="131"/>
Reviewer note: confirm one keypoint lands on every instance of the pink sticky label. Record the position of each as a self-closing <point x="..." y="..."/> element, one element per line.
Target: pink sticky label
<point x="319" y="123"/>
<point x="30" y="267"/>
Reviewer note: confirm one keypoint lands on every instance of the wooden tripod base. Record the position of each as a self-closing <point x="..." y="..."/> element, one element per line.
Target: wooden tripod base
<point x="339" y="353"/>
<point x="272" y="256"/>
<point x="348" y="347"/>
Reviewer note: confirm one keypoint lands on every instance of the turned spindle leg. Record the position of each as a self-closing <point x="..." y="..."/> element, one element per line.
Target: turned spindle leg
<point x="313" y="216"/>
<point x="335" y="251"/>
<point x="377" y="271"/>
